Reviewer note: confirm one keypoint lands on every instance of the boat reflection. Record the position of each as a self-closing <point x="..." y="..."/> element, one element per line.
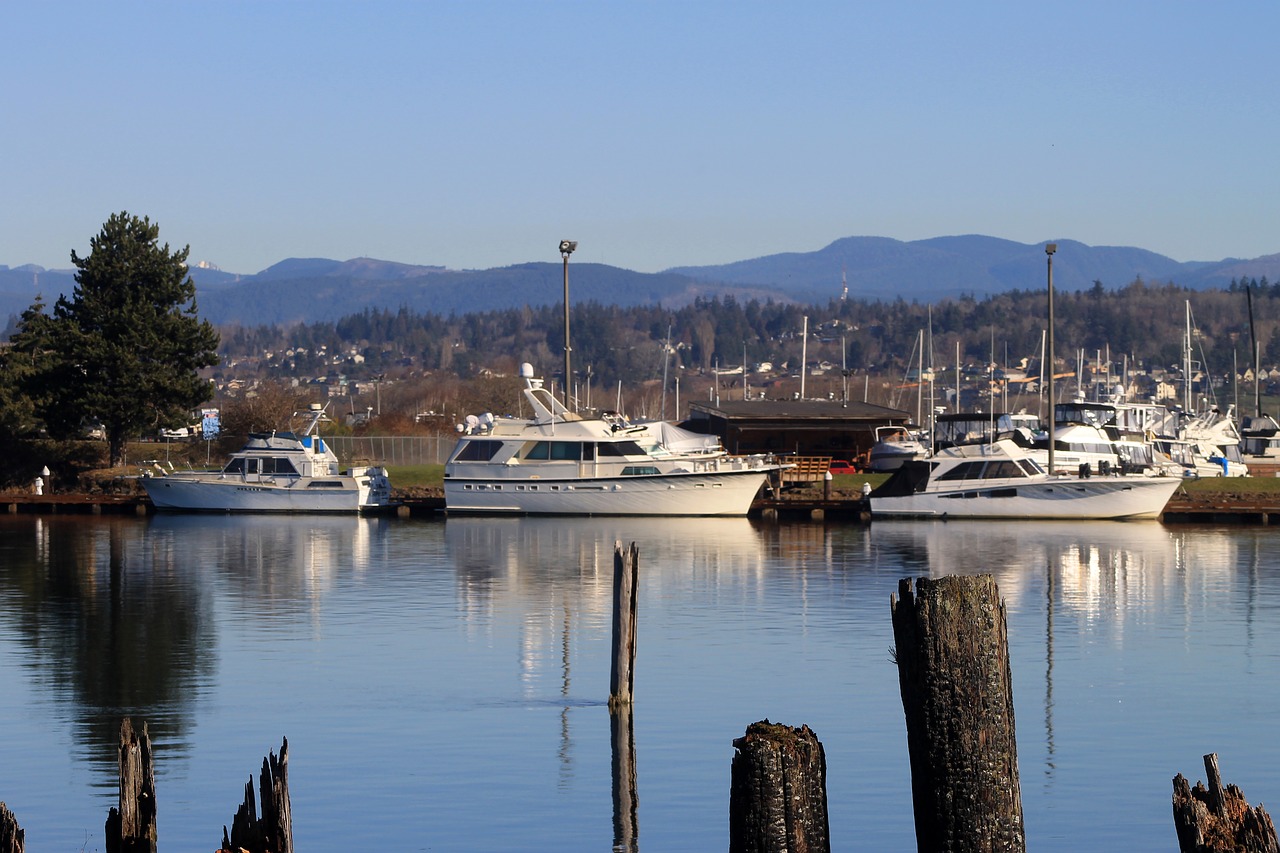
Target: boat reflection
<point x="268" y="559"/>
<point x="538" y="551"/>
<point x="1096" y="566"/>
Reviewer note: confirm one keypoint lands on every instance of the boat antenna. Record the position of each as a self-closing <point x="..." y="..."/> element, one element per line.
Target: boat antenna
<point x="566" y="249"/>
<point x="1049" y="249"/>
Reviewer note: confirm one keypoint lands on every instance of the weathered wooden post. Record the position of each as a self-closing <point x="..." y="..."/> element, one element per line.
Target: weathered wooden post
<point x="625" y="573"/>
<point x="273" y="832"/>
<point x="132" y="827"/>
<point x="12" y="838"/>
<point x="957" y="693"/>
<point x="778" y="792"/>
<point x="1218" y="819"/>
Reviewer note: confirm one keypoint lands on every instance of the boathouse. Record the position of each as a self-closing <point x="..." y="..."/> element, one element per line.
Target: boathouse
<point x="802" y="427"/>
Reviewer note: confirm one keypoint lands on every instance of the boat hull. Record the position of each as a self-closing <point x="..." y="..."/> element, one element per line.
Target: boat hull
<point x="723" y="493"/>
<point x="305" y="495"/>
<point x="1063" y="498"/>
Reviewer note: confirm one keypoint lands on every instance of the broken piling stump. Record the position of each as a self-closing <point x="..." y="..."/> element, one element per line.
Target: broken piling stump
<point x="12" y="838"/>
<point x="132" y="827"/>
<point x="778" y="792"/>
<point x="273" y="831"/>
<point x="1215" y="819"/>
<point x="952" y="651"/>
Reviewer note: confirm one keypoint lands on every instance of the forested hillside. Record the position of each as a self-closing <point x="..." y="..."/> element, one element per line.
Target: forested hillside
<point x="1142" y="322"/>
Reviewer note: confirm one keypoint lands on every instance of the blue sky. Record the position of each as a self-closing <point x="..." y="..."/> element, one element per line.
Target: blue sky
<point x="657" y="134"/>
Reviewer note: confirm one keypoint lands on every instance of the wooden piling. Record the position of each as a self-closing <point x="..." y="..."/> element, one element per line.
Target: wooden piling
<point x="957" y="694"/>
<point x="12" y="838"/>
<point x="778" y="792"/>
<point x="132" y="827"/>
<point x="273" y="831"/>
<point x="625" y="593"/>
<point x="1215" y="819"/>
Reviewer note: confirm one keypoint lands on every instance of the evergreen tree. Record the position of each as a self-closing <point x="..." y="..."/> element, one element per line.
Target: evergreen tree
<point x="125" y="348"/>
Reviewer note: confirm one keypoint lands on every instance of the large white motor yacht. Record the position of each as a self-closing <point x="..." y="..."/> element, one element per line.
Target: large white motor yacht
<point x="560" y="462"/>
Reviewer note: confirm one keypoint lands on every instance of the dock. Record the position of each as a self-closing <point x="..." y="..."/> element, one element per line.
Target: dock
<point x="1214" y="508"/>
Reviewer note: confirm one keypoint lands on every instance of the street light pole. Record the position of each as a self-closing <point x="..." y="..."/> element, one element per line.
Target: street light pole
<point x="566" y="249"/>
<point x="1049" y="249"/>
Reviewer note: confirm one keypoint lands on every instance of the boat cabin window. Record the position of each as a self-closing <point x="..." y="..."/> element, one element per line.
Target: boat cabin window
<point x="639" y="470"/>
<point x="1031" y="466"/>
<point x="278" y="465"/>
<point x="964" y="471"/>
<point x="1002" y="469"/>
<point x="235" y="466"/>
<point x="620" y="448"/>
<point x="1084" y="447"/>
<point x="561" y="451"/>
<point x="477" y="451"/>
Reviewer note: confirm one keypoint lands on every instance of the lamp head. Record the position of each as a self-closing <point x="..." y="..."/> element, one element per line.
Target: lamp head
<point x="1049" y="248"/>
<point x="567" y="247"/>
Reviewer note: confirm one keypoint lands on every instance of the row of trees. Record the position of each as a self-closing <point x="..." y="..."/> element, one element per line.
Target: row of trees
<point x="122" y="353"/>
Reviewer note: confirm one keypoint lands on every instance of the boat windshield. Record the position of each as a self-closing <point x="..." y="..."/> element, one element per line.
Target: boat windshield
<point x="996" y="469"/>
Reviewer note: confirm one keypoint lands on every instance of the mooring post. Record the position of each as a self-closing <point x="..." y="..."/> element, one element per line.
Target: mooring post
<point x="778" y="792"/>
<point x="132" y="827"/>
<point x="1215" y="819"/>
<point x="11" y="835"/>
<point x="957" y="694"/>
<point x="273" y="831"/>
<point x="625" y="574"/>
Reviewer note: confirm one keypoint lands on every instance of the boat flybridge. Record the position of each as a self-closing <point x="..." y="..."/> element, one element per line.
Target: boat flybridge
<point x="561" y="462"/>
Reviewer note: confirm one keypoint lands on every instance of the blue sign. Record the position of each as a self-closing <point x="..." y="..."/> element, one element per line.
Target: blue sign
<point x="210" y="426"/>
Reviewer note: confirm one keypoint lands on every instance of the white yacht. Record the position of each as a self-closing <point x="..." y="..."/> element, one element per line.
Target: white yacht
<point x="274" y="472"/>
<point x="1001" y="479"/>
<point x="559" y="462"/>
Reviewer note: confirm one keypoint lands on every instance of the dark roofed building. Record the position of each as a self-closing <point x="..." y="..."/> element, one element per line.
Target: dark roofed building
<point x="802" y="427"/>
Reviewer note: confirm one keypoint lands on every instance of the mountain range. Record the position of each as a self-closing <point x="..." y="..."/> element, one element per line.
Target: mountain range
<point x="303" y="290"/>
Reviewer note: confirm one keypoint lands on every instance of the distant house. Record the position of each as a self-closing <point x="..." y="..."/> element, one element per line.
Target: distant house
<point x="800" y="427"/>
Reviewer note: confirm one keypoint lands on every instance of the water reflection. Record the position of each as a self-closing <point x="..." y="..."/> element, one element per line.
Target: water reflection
<point x="112" y="625"/>
<point x="270" y="561"/>
<point x="116" y="614"/>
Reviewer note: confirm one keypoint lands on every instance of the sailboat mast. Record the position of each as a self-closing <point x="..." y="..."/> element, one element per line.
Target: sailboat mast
<point x="1253" y="340"/>
<point x="1186" y="370"/>
<point x="1049" y="249"/>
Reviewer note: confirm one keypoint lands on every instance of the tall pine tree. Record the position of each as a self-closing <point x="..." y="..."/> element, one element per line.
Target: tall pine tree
<point x="125" y="349"/>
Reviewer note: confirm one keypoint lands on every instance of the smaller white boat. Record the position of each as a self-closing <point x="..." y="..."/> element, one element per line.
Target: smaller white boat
<point x="275" y="472"/>
<point x="1001" y="479"/>
<point x="894" y="445"/>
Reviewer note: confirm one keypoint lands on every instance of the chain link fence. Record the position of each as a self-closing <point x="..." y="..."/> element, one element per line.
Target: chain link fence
<point x="391" y="449"/>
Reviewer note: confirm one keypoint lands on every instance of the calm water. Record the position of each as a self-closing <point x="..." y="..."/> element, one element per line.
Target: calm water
<point x="443" y="685"/>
